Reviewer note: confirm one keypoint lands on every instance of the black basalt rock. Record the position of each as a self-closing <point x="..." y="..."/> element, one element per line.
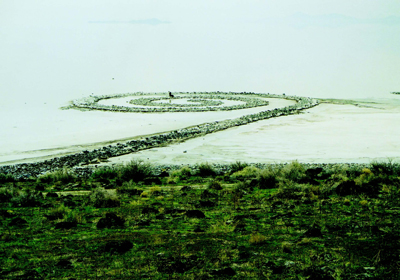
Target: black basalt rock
<point x="18" y="222"/>
<point x="66" y="225"/>
<point x="347" y="188"/>
<point x="119" y="247"/>
<point x="111" y="220"/>
<point x="195" y="214"/>
<point x="228" y="271"/>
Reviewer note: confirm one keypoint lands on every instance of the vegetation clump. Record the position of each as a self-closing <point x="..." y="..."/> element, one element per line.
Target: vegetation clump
<point x="105" y="174"/>
<point x="180" y="175"/>
<point x="21" y="197"/>
<point x="135" y="170"/>
<point x="129" y="188"/>
<point x="101" y="198"/>
<point x="205" y="170"/>
<point x="267" y="178"/>
<point x="214" y="185"/>
<point x="247" y="172"/>
<point x="4" y="178"/>
<point x="64" y="175"/>
<point x="237" y="166"/>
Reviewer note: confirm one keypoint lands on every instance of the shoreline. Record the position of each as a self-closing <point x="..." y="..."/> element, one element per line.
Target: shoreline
<point x="158" y="147"/>
<point x="26" y="170"/>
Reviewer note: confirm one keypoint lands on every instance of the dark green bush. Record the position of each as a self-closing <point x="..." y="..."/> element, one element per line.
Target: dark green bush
<point x="243" y="186"/>
<point x="214" y="185"/>
<point x="104" y="174"/>
<point x="249" y="172"/>
<point x="135" y="170"/>
<point x="64" y="175"/>
<point x="21" y="198"/>
<point x="385" y="168"/>
<point x="100" y="197"/>
<point x="205" y="169"/>
<point x="180" y="175"/>
<point x="294" y="172"/>
<point x="130" y="188"/>
<point x="6" y="193"/>
<point x="294" y="191"/>
<point x="237" y="166"/>
<point x="4" y="178"/>
<point x="267" y="179"/>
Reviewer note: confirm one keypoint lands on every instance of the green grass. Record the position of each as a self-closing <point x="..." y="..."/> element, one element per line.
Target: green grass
<point x="275" y="223"/>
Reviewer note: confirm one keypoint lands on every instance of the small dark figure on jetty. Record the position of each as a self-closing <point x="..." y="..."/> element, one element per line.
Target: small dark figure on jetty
<point x="170" y="94"/>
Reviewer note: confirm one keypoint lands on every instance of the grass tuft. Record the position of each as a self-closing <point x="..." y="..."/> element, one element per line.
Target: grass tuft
<point x="180" y="175"/>
<point x="257" y="238"/>
<point x="105" y="174"/>
<point x="135" y="170"/>
<point x="101" y="198"/>
<point x="64" y="175"/>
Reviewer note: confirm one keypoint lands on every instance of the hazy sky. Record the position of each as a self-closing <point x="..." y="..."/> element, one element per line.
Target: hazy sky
<point x="60" y="50"/>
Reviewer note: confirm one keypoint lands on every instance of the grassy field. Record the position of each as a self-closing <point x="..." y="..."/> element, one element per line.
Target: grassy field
<point x="287" y="222"/>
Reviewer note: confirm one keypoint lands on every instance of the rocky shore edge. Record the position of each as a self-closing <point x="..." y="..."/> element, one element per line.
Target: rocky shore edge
<point x="79" y="161"/>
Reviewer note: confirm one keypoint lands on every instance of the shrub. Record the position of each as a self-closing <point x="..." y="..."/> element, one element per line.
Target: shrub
<point x="99" y="198"/>
<point x="364" y="178"/>
<point x="129" y="188"/>
<point x="364" y="202"/>
<point x="135" y="170"/>
<point x="293" y="191"/>
<point x="366" y="170"/>
<point x="294" y="172"/>
<point x="247" y="173"/>
<point x="337" y="172"/>
<point x="267" y="179"/>
<point x="386" y="168"/>
<point x="243" y="186"/>
<point x="6" y="193"/>
<point x="205" y="169"/>
<point x="104" y="174"/>
<point x="182" y="174"/>
<point x="25" y="198"/>
<point x="155" y="191"/>
<point x="74" y="216"/>
<point x="287" y="247"/>
<point x="214" y="185"/>
<point x="257" y="238"/>
<point x="57" y="213"/>
<point x="64" y="175"/>
<point x="237" y="166"/>
<point x="172" y="180"/>
<point x="4" y="178"/>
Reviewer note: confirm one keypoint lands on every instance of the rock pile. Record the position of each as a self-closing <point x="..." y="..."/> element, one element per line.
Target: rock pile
<point x="206" y="101"/>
